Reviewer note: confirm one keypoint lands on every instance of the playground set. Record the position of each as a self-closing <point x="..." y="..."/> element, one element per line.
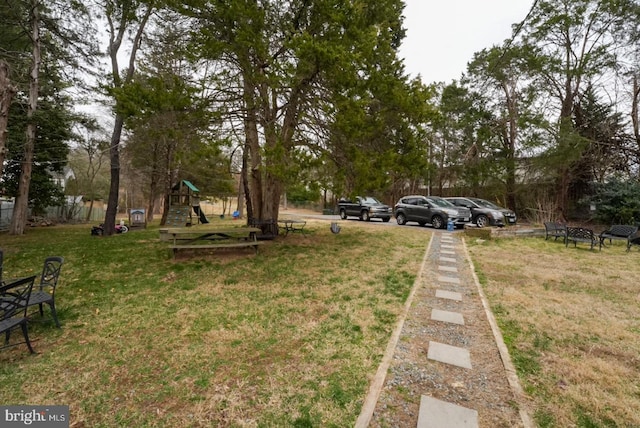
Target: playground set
<point x="184" y="202"/>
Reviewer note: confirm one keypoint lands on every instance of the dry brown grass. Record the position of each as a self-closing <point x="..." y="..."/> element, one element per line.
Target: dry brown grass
<point x="570" y="318"/>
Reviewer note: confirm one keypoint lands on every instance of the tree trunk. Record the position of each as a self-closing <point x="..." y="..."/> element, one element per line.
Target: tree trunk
<point x="563" y="178"/>
<point x="241" y="180"/>
<point x="165" y="207"/>
<point x="168" y="183"/>
<point x="151" y="204"/>
<point x="7" y="91"/>
<point x="244" y="177"/>
<point x="254" y="156"/>
<point x="114" y="188"/>
<point x="114" y="150"/>
<point x="635" y="115"/>
<point x="151" y="209"/>
<point x="21" y="206"/>
<point x="90" y="210"/>
<point x="271" y="204"/>
<point x="156" y="178"/>
<point x="510" y="147"/>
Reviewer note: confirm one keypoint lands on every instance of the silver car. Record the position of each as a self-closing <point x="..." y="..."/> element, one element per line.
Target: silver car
<point x="510" y="217"/>
<point x="430" y="210"/>
<point x="481" y="214"/>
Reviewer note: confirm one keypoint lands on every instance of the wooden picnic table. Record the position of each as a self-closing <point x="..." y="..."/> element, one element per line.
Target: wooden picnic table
<point x="212" y="237"/>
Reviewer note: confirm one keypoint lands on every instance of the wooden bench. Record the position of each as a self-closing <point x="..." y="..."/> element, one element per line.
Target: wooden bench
<point x="555" y="230"/>
<point x="220" y="245"/>
<point x="621" y="232"/>
<point x="580" y="234"/>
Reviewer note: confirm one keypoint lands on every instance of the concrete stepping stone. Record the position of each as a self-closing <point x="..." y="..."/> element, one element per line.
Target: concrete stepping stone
<point x="448" y="260"/>
<point x="448" y="268"/>
<point x="447" y="316"/>
<point x="448" y="252"/>
<point x="449" y="279"/>
<point x="436" y="413"/>
<point x="448" y="354"/>
<point x="451" y="295"/>
<point x="447" y="247"/>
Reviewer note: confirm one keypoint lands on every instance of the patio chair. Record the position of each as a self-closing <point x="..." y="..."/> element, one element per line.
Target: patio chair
<point x="46" y="290"/>
<point x="1" y="259"/>
<point x="13" y="312"/>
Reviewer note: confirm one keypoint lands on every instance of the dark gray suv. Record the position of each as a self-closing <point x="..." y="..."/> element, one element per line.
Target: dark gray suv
<point x="485" y="213"/>
<point x="430" y="209"/>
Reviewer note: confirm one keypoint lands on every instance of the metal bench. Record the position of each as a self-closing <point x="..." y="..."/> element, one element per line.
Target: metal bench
<point x="580" y="234"/>
<point x="621" y="232"/>
<point x="555" y="230"/>
<point x="634" y="240"/>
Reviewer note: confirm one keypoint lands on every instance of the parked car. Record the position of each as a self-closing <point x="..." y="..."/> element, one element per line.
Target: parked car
<point x="430" y="209"/>
<point x="485" y="213"/>
<point x="365" y="208"/>
<point x="481" y="215"/>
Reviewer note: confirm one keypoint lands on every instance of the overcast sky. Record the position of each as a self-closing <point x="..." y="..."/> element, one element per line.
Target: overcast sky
<point x="443" y="35"/>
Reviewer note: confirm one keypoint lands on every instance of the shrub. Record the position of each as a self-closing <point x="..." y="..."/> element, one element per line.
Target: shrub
<point x="617" y="202"/>
<point x="300" y="194"/>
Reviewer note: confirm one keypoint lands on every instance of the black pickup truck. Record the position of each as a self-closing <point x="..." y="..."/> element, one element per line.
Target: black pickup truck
<point x="365" y="208"/>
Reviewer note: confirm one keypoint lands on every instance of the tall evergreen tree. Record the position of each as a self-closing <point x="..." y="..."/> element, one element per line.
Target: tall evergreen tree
<point x="39" y="36"/>
<point x="284" y="57"/>
<point x="605" y="143"/>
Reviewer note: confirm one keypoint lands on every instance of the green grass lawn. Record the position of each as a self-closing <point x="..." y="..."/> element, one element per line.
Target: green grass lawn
<point x="288" y="337"/>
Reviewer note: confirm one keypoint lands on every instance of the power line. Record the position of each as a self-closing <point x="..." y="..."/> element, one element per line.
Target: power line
<point x="521" y="24"/>
<point x="513" y="36"/>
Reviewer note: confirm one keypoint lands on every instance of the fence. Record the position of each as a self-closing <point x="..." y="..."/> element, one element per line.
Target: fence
<point x="75" y="214"/>
<point x="62" y="214"/>
<point x="6" y="211"/>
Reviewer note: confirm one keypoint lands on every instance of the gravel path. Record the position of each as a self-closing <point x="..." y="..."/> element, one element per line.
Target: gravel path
<point x="485" y="387"/>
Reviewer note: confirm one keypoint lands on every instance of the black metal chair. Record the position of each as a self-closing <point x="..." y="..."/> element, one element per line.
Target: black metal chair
<point x="1" y="260"/>
<point x="45" y="291"/>
<point x="13" y="311"/>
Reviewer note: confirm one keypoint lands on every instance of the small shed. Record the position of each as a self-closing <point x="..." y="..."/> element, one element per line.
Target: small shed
<point x="137" y="218"/>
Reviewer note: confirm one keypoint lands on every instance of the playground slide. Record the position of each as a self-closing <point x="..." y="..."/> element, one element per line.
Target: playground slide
<point x="200" y="213"/>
